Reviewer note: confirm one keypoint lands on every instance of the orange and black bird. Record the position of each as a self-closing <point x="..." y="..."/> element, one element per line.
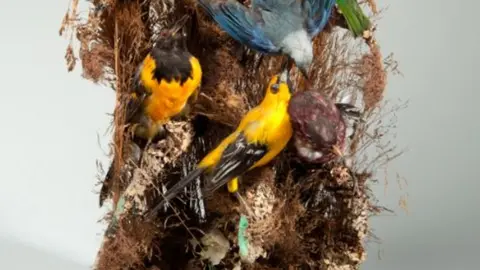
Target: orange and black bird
<point x="165" y="85"/>
<point x="259" y="137"/>
<point x="319" y="126"/>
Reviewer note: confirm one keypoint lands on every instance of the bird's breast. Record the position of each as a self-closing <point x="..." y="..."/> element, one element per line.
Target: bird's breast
<point x="306" y="150"/>
<point x="275" y="133"/>
<point x="169" y="97"/>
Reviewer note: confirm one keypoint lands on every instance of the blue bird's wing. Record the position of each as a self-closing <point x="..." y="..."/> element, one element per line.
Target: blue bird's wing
<point x="318" y="12"/>
<point x="240" y="24"/>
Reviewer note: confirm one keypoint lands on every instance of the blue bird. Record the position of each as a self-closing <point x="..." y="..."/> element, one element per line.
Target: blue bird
<point x="274" y="27"/>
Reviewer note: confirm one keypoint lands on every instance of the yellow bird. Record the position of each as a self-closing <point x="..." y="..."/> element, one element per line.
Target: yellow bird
<point x="261" y="135"/>
<point x="165" y="85"/>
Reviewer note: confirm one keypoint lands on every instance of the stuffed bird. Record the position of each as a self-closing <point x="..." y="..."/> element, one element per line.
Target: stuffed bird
<point x="275" y="27"/>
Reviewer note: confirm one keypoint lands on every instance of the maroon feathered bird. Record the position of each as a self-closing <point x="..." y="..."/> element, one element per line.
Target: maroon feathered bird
<point x="318" y="125"/>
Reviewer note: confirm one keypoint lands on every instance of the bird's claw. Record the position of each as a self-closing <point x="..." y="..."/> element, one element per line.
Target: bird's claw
<point x="162" y="133"/>
<point x="336" y="150"/>
<point x="148" y="143"/>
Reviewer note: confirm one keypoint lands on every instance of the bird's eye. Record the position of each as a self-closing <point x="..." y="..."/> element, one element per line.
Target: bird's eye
<point x="275" y="88"/>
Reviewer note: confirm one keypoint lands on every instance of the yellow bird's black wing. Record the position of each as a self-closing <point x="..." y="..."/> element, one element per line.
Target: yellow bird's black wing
<point x="237" y="158"/>
<point x="138" y="94"/>
<point x="177" y="188"/>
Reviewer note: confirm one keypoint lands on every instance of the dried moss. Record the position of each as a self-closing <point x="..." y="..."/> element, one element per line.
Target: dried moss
<point x="305" y="216"/>
<point x="374" y="76"/>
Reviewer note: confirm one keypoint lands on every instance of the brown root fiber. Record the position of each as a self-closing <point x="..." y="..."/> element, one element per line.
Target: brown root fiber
<point x="305" y="217"/>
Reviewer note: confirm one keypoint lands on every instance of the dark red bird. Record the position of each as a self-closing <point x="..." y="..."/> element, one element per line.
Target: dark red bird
<point x="318" y="125"/>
